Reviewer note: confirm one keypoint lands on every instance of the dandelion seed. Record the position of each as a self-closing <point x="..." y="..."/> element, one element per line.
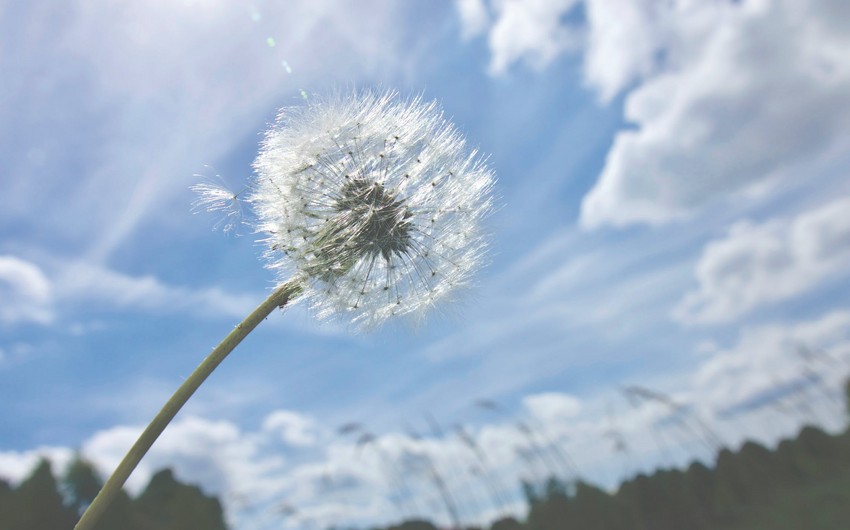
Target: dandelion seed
<point x="375" y="201"/>
<point x="216" y="199"/>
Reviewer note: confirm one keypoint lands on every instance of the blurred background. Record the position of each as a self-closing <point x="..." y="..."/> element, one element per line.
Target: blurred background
<point x="668" y="275"/>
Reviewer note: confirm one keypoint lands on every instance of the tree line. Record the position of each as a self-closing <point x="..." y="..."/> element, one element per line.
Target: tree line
<point x="44" y="502"/>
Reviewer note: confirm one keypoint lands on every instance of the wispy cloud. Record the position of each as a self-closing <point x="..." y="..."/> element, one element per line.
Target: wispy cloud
<point x="149" y="92"/>
<point x="93" y="284"/>
<point x="32" y="295"/>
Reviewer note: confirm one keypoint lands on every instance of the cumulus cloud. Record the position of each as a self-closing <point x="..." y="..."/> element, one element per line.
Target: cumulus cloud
<point x="530" y="31"/>
<point x="759" y="264"/>
<point x="216" y="454"/>
<point x="293" y="428"/>
<point x="622" y="44"/>
<point x="725" y="97"/>
<point x="25" y="292"/>
<point x="751" y="90"/>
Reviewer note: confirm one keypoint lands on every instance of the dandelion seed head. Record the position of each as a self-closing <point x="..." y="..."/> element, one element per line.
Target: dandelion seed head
<point x="375" y="201"/>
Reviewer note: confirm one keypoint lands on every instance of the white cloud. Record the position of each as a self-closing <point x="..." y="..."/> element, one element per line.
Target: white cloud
<point x="25" y="292"/>
<point x="293" y="428"/>
<point x="215" y="454"/>
<point x="474" y="17"/>
<point x="623" y="40"/>
<point x="529" y="31"/>
<point x="88" y="283"/>
<point x="29" y="294"/>
<point x="552" y="407"/>
<point x="727" y="98"/>
<point x="751" y="89"/>
<point x="768" y="357"/>
<point x="16" y="466"/>
<point x="759" y="264"/>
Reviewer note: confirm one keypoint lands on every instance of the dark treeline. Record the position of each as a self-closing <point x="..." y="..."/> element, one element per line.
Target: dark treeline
<point x="804" y="483"/>
<point x="43" y="502"/>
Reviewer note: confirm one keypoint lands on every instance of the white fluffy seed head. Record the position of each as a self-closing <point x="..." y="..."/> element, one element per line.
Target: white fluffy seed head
<point x="374" y="201"/>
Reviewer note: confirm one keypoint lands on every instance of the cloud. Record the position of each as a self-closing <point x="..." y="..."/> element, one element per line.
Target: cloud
<point x="623" y="40"/>
<point x="759" y="264"/>
<point x="293" y="428"/>
<point x="725" y="99"/>
<point x="768" y="357"/>
<point x="93" y="284"/>
<point x="620" y="40"/>
<point x="16" y="466"/>
<point x="215" y="454"/>
<point x="762" y="91"/>
<point x="474" y="17"/>
<point x="25" y="292"/>
<point x="552" y="407"/>
<point x="528" y="31"/>
<point x="29" y="294"/>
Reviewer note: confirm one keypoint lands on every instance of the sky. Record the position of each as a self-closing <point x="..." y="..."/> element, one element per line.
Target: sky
<point x="670" y="248"/>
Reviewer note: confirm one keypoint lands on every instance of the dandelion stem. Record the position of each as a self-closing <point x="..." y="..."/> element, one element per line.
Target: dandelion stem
<point x="278" y="298"/>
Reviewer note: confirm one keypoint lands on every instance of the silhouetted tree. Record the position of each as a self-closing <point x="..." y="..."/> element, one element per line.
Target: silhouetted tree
<point x="7" y="506"/>
<point x="167" y="504"/>
<point x="82" y="484"/>
<point x="594" y="509"/>
<point x="731" y="490"/>
<point x="820" y="451"/>
<point x="38" y="504"/>
<point x="550" y="513"/>
<point x="702" y="483"/>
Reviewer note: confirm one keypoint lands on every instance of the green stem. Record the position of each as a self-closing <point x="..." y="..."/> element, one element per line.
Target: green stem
<point x="278" y="298"/>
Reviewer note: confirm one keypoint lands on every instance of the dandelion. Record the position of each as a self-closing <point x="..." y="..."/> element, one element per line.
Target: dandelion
<point x="375" y="202"/>
<point x="370" y="206"/>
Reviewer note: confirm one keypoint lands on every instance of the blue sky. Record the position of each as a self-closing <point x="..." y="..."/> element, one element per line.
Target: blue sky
<point x="673" y="213"/>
